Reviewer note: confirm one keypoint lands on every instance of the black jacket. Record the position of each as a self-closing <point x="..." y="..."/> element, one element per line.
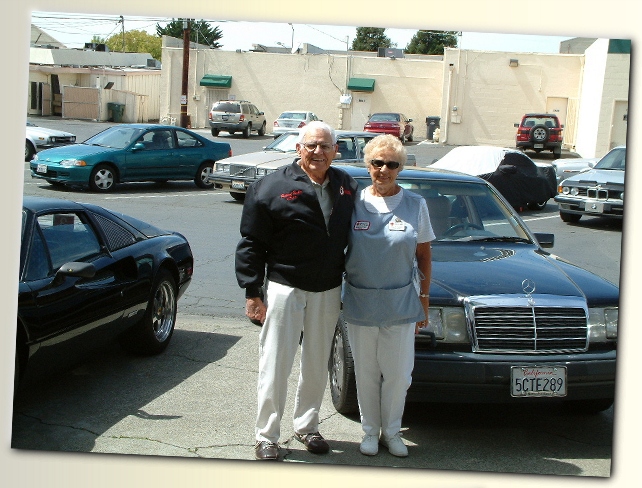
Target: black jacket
<point x="283" y="229"/>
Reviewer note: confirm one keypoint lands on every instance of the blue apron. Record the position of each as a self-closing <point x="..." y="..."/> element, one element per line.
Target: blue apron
<point x="381" y="286"/>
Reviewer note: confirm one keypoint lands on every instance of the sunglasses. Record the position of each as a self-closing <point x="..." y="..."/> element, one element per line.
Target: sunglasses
<point x="378" y="163"/>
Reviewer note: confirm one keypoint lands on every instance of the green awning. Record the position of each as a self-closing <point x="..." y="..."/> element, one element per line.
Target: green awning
<point x="361" y="84"/>
<point x="216" y="81"/>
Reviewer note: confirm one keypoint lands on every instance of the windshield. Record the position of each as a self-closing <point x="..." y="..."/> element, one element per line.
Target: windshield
<point x="615" y="159"/>
<point x="285" y="143"/>
<point x="118" y="137"/>
<point x="462" y="211"/>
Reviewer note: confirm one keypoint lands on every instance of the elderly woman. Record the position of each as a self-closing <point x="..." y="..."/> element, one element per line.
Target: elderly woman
<point x="385" y="302"/>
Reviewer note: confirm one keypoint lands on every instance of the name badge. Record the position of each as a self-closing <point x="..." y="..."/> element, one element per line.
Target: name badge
<point x="361" y="225"/>
<point x="397" y="224"/>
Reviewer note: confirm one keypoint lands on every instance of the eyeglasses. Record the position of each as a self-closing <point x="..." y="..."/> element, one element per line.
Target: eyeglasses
<point x="378" y="163"/>
<point x="312" y="146"/>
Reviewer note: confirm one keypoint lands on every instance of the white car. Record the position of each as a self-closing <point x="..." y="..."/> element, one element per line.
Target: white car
<point x="565" y="168"/>
<point x="292" y="120"/>
<point x="39" y="138"/>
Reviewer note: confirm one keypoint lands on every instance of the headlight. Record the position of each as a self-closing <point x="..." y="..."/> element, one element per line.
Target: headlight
<point x="574" y="191"/>
<point x="603" y="324"/>
<point x="261" y="171"/>
<point x="67" y="163"/>
<point x="448" y="324"/>
<point x="222" y="167"/>
<point x="622" y="196"/>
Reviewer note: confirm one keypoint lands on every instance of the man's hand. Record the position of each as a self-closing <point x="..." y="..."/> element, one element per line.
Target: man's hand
<point x="255" y="309"/>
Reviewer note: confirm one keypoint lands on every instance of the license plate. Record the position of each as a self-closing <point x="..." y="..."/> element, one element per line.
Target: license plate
<point x="538" y="146"/>
<point x="538" y="381"/>
<point x="41" y="168"/>
<point x="238" y="185"/>
<point x="597" y="207"/>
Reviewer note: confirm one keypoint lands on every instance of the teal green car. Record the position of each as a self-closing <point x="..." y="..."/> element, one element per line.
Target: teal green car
<point x="131" y="152"/>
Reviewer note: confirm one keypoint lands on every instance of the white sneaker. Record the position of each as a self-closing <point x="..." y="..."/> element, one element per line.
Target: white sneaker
<point x="369" y="445"/>
<point x="395" y="445"/>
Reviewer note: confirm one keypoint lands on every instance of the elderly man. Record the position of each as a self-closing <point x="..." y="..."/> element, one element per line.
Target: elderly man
<point x="294" y="229"/>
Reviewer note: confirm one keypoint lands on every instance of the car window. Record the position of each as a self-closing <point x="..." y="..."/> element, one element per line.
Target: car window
<point x="37" y="265"/>
<point x="616" y="159"/>
<point x="157" y="140"/>
<point x="347" y="148"/>
<point x="233" y="108"/>
<point x="115" y="137"/>
<point x="68" y="238"/>
<point x="187" y="140"/>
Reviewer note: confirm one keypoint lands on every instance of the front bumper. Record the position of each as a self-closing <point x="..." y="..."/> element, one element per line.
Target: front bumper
<point x="227" y="183"/>
<point x="587" y="206"/>
<point x="66" y="175"/>
<point x="485" y="378"/>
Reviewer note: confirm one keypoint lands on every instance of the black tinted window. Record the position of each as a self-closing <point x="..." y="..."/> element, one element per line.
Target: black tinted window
<point x="226" y="107"/>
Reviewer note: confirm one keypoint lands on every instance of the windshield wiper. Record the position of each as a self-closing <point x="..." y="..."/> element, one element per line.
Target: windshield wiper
<point x="500" y="239"/>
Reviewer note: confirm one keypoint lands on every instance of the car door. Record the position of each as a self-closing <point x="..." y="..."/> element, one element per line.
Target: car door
<point x="190" y="152"/>
<point x="151" y="157"/>
<point x="64" y="313"/>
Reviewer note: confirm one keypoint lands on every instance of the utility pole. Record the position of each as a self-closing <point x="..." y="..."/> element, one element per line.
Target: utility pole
<point x="122" y="21"/>
<point x="186" y="35"/>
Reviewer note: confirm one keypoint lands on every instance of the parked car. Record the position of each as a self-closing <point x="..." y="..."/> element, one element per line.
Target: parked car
<point x="39" y="138"/>
<point x="89" y="276"/>
<point x="131" y="152"/>
<point x="236" y="116"/>
<point x="391" y="123"/>
<point x="540" y="132"/>
<point x="292" y="120"/>
<point x="235" y="174"/>
<point x="509" y="322"/>
<point x="522" y="181"/>
<point x="565" y="168"/>
<point x="598" y="191"/>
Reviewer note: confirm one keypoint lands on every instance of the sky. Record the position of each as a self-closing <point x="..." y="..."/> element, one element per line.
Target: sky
<point x="74" y="30"/>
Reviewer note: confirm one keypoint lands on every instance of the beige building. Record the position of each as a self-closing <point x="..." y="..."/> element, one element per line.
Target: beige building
<point x="477" y="96"/>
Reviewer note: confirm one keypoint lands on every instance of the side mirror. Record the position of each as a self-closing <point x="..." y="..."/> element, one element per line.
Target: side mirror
<point x="138" y="146"/>
<point x="545" y="239"/>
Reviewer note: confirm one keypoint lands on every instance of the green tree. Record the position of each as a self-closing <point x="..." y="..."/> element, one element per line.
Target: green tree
<point x="431" y="42"/>
<point x="136" y="41"/>
<point x="200" y="32"/>
<point x="371" y="39"/>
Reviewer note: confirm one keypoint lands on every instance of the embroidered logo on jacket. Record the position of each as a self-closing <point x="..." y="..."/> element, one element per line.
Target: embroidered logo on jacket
<point x="293" y="195"/>
<point x="361" y="225"/>
<point x="343" y="191"/>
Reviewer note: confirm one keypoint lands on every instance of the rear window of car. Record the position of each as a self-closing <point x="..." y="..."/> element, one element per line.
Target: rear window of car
<point x="384" y="117"/>
<point x="545" y="121"/>
<point x="292" y="115"/>
<point x="234" y="108"/>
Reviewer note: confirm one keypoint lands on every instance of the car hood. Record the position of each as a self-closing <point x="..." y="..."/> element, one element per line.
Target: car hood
<point x="36" y="131"/>
<point x="263" y="159"/>
<point x="73" y="151"/>
<point x="461" y="269"/>
<point x="599" y="176"/>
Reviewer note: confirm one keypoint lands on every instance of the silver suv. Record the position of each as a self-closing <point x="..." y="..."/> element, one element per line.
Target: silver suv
<point x="235" y="116"/>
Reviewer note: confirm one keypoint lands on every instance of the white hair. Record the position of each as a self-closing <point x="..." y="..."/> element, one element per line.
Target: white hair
<point x="318" y="124"/>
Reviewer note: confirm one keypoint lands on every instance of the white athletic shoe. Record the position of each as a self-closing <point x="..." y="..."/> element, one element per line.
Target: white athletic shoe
<point x="369" y="445"/>
<point x="395" y="445"/>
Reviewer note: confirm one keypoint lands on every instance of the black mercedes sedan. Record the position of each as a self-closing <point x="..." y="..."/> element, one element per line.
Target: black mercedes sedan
<point x="89" y="276"/>
<point x="508" y="320"/>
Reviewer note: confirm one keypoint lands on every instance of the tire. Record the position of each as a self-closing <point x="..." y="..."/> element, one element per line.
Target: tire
<point x="231" y="132"/>
<point x="262" y="130"/>
<point x="536" y="206"/>
<point x="204" y="171"/>
<point x="569" y="217"/>
<point x="410" y="137"/>
<point x="215" y="132"/>
<point x="343" y="386"/>
<point x="152" y="333"/>
<point x="102" y="178"/>
<point x="539" y="134"/>
<point x="238" y="196"/>
<point x="29" y="151"/>
<point x="247" y="131"/>
<point x="557" y="152"/>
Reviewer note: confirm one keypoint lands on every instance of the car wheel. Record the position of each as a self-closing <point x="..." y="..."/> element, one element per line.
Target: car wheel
<point x="152" y="334"/>
<point x="402" y="138"/>
<point x="215" y="132"/>
<point x="102" y="178"/>
<point x="569" y="217"/>
<point x="557" y="152"/>
<point x="29" y="151"/>
<point x="262" y="130"/>
<point x="202" y="175"/>
<point x="536" y="206"/>
<point x="231" y="132"/>
<point x="539" y="134"/>
<point x="410" y="137"/>
<point x="343" y="386"/>
<point x="239" y="197"/>
<point x="247" y="131"/>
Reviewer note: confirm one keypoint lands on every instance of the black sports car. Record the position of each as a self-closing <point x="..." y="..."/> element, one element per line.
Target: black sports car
<point x="89" y="276"/>
<point x="508" y="321"/>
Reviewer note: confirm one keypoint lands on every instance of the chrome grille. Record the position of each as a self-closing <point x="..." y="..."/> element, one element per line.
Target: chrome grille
<point x="522" y="324"/>
<point x="242" y="170"/>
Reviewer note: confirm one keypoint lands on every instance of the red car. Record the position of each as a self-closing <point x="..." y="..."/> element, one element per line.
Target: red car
<point x="540" y="132"/>
<point x="390" y="123"/>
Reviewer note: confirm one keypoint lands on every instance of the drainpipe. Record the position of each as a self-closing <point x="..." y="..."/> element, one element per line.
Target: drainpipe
<point x="444" y="137"/>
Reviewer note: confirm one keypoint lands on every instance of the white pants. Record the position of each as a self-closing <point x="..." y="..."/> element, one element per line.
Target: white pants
<point x="291" y="311"/>
<point x="383" y="361"/>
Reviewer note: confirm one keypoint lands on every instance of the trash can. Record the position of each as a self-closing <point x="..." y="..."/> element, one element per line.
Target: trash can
<point x="432" y="123"/>
<point x="116" y="111"/>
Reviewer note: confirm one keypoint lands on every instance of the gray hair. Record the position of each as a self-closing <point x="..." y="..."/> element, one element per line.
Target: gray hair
<point x="317" y="124"/>
<point x="386" y="141"/>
